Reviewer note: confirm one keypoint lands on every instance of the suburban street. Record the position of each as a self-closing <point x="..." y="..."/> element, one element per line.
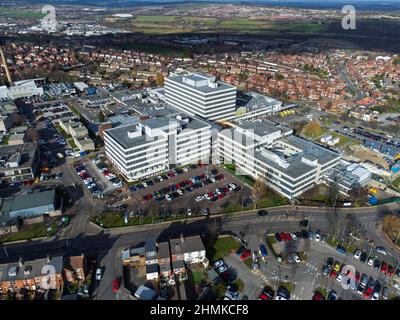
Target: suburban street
<point x="107" y="246"/>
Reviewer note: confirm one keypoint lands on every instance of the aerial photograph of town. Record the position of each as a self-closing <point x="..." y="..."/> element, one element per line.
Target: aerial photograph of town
<point x="171" y="150"/>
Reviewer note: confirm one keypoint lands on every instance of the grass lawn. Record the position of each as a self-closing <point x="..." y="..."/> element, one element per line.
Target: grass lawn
<point x="271" y="199"/>
<point x="71" y="142"/>
<point x="28" y="232"/>
<point x="221" y="248"/>
<point x="197" y="276"/>
<point x="343" y="139"/>
<point x="5" y="140"/>
<point x="115" y="219"/>
<point x="239" y="284"/>
<point x="249" y="263"/>
<point x="322" y="291"/>
<point x="288" y="285"/>
<point x="231" y="169"/>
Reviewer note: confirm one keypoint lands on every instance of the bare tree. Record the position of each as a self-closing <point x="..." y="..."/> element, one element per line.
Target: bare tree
<point x="259" y="190"/>
<point x="154" y="210"/>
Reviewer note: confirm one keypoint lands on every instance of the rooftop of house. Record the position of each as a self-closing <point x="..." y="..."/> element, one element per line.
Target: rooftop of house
<point x="29" y="269"/>
<point x="163" y="250"/>
<point x="186" y="245"/>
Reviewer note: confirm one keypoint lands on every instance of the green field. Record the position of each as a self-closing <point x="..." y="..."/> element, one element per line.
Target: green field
<point x="155" y="19"/>
<point x="20" y="14"/>
<point x="221" y="248"/>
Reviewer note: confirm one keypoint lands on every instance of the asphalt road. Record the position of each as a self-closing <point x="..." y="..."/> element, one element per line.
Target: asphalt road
<point x="107" y="246"/>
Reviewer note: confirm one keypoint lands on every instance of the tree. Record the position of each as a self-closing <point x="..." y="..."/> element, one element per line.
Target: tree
<point x="160" y="80"/>
<point x="313" y="130"/>
<point x="359" y="194"/>
<point x="154" y="210"/>
<point x="102" y="116"/>
<point x="259" y="190"/>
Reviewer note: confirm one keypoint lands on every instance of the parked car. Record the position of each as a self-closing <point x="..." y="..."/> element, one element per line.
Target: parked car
<point x="245" y="254"/>
<point x="357" y="254"/>
<point x="98" y="274"/>
<point x="262" y="213"/>
<point x="381" y="250"/>
<point x="341" y="249"/>
<point x="115" y="285"/>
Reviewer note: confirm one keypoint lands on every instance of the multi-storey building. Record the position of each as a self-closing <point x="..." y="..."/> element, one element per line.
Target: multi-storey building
<point x="157" y="144"/>
<point x="201" y="95"/>
<point x="269" y="151"/>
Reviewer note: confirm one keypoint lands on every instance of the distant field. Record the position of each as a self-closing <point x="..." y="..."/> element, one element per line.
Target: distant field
<point x="172" y="24"/>
<point x="155" y="19"/>
<point x="20" y="14"/>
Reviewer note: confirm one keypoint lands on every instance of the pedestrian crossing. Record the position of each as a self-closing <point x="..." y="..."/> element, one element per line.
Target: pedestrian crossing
<point x="311" y="267"/>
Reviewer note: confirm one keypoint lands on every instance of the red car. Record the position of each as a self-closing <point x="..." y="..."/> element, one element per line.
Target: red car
<point x="106" y="173"/>
<point x="245" y="254"/>
<point x="333" y="274"/>
<point x="357" y="277"/>
<point x="384" y="268"/>
<point x="225" y="189"/>
<point x="220" y="196"/>
<point x="148" y="197"/>
<point x="368" y="293"/>
<point x="178" y="186"/>
<point x="264" y="297"/>
<point x="115" y="285"/>
<point x="285" y="236"/>
<point x="202" y="176"/>
<point x="318" y="296"/>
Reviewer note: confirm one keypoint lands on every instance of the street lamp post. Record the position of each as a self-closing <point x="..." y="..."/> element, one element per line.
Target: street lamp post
<point x="5" y="250"/>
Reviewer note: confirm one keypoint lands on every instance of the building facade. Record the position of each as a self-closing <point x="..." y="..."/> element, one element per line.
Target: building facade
<point x="201" y="95"/>
<point x="267" y="150"/>
<point x="157" y="144"/>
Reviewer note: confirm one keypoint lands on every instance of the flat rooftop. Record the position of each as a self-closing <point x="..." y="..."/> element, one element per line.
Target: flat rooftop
<point x="199" y="83"/>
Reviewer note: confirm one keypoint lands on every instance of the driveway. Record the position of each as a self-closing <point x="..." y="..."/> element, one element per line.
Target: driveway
<point x="252" y="283"/>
